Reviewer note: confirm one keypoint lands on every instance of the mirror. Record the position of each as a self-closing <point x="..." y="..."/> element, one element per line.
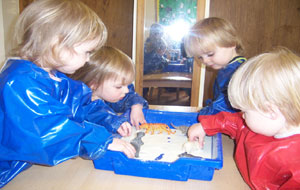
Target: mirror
<point x="165" y="75"/>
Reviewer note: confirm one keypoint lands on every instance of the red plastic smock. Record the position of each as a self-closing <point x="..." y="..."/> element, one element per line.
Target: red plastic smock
<point x="264" y="162"/>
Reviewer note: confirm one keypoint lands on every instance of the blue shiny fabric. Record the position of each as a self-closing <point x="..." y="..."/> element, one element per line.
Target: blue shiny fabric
<point x="220" y="100"/>
<point x="129" y="100"/>
<point x="111" y="120"/>
<point x="46" y="121"/>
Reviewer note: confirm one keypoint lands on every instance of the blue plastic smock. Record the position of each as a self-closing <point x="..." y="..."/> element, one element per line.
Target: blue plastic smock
<point x="220" y="100"/>
<point x="46" y="121"/>
<point x="129" y="100"/>
<point x="111" y="120"/>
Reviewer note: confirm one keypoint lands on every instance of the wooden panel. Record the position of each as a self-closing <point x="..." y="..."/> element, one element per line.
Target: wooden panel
<point x="261" y="25"/>
<point x="210" y="75"/>
<point x="196" y="66"/>
<point x="117" y="16"/>
<point x="172" y="79"/>
<point x="139" y="66"/>
<point x="23" y="4"/>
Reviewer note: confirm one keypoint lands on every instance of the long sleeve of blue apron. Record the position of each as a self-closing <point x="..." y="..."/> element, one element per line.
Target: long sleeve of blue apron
<point x="43" y="120"/>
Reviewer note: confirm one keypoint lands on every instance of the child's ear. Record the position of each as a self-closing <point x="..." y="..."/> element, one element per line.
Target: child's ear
<point x="273" y="111"/>
<point x="93" y="86"/>
<point x="234" y="47"/>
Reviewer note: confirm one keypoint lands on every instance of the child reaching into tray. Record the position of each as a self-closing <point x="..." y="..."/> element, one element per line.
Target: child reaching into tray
<point x="44" y="113"/>
<point x="267" y="132"/>
<point x="110" y="74"/>
<point x="216" y="43"/>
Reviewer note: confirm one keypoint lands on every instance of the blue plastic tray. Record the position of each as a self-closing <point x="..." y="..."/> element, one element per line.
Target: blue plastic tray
<point x="180" y="170"/>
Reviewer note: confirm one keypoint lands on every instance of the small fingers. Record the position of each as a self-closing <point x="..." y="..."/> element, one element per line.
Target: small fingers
<point x="197" y="139"/>
<point x="125" y="129"/>
<point x="138" y="122"/>
<point x="121" y="131"/>
<point x="129" y="150"/>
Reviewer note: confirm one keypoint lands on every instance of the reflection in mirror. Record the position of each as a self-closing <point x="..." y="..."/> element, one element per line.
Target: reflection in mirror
<point x="167" y="69"/>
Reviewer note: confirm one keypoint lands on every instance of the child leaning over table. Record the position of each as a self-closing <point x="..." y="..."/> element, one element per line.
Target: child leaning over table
<point x="216" y="43"/>
<point x="43" y="113"/>
<point x="110" y="74"/>
<point x="267" y="132"/>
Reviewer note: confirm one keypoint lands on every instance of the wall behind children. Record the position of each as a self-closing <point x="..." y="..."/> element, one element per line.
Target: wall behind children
<point x="262" y="24"/>
<point x="9" y="11"/>
<point x="117" y="16"/>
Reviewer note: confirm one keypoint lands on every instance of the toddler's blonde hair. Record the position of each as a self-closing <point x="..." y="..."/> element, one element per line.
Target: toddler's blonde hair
<point x="272" y="77"/>
<point x="45" y="27"/>
<point x="105" y="64"/>
<point x="208" y="33"/>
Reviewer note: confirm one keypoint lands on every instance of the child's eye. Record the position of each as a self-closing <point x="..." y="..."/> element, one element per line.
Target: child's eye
<point x="210" y="54"/>
<point x="90" y="52"/>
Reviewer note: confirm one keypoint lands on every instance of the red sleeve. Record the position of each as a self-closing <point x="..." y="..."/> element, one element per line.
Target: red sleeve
<point x="223" y="122"/>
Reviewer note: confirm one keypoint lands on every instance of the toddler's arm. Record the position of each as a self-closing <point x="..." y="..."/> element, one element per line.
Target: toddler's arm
<point x="137" y="116"/>
<point x="123" y="146"/>
<point x="223" y="122"/>
<point x="196" y="133"/>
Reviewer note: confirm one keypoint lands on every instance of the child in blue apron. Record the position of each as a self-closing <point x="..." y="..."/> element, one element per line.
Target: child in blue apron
<point x="216" y="43"/>
<point x="110" y="74"/>
<point x="43" y="113"/>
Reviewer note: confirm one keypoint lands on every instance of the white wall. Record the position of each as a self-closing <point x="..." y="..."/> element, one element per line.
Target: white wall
<point x="9" y="11"/>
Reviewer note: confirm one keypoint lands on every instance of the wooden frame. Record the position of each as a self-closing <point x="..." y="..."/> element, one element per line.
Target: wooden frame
<point x="196" y="83"/>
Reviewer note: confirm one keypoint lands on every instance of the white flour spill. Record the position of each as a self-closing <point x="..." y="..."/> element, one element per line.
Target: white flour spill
<point x="166" y="148"/>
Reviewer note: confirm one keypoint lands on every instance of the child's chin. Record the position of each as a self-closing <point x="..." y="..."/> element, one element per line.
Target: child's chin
<point x="115" y="101"/>
<point x="216" y="67"/>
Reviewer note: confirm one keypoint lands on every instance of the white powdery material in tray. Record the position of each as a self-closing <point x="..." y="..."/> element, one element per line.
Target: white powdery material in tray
<point x="167" y="148"/>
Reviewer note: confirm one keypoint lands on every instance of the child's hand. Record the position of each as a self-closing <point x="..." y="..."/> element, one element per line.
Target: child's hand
<point x="196" y="133"/>
<point x="123" y="146"/>
<point x="125" y="129"/>
<point x="137" y="116"/>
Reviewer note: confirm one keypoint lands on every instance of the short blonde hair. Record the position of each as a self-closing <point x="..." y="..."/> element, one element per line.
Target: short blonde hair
<point x="45" y="27"/>
<point x="208" y="33"/>
<point x="105" y="64"/>
<point x="272" y="77"/>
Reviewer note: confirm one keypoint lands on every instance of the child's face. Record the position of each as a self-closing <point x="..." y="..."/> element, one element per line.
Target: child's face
<point x="73" y="60"/>
<point x="111" y="90"/>
<point x="266" y="124"/>
<point x="218" y="58"/>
